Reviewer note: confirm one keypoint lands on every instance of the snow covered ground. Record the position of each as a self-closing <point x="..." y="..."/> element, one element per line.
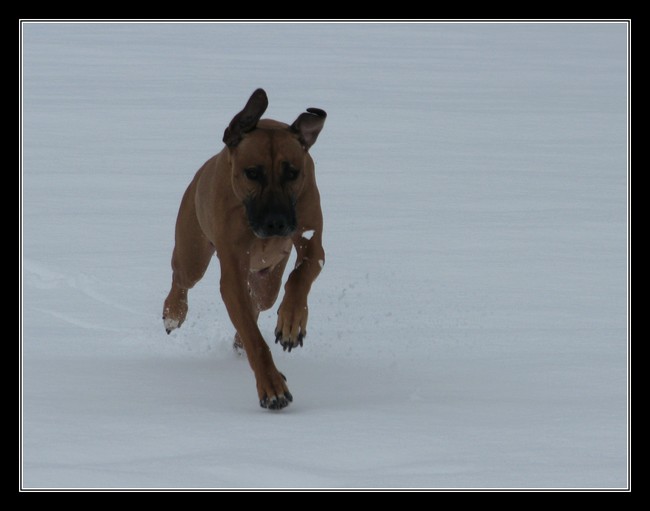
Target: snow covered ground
<point x="470" y="327"/>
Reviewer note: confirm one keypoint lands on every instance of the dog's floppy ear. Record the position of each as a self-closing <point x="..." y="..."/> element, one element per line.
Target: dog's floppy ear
<point x="247" y="119"/>
<point x="308" y="125"/>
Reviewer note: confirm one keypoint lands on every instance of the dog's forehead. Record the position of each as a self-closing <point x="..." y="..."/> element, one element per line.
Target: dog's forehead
<point x="270" y="145"/>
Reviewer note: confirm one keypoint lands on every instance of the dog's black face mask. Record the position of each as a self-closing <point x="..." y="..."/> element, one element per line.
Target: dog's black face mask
<point x="268" y="177"/>
<point x="271" y="212"/>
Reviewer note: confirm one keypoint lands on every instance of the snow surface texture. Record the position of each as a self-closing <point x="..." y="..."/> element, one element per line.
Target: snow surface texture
<point x="469" y="329"/>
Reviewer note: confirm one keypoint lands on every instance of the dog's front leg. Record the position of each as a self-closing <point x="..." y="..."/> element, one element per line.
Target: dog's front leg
<point x="293" y="312"/>
<point x="271" y="385"/>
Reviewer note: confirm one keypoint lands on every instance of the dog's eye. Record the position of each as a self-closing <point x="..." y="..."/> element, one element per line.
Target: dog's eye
<point x="253" y="173"/>
<point x="290" y="173"/>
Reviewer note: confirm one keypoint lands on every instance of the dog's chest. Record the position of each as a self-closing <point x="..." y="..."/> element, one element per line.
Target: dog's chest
<point x="267" y="253"/>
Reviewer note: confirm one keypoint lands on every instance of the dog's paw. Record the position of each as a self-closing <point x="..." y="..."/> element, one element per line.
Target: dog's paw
<point x="173" y="317"/>
<point x="175" y="308"/>
<point x="170" y="324"/>
<point x="172" y="321"/>
<point x="274" y="394"/>
<point x="238" y="346"/>
<point x="291" y="328"/>
<point x="288" y="343"/>
<point x="275" y="402"/>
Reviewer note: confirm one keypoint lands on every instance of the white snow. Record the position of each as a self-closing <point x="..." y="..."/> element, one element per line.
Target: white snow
<point x="470" y="330"/>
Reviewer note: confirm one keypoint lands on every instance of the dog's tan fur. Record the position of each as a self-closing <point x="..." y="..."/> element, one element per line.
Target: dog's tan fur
<point x="213" y="216"/>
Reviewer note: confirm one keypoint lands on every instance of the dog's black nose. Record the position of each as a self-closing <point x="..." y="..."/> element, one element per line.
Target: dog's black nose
<point x="277" y="224"/>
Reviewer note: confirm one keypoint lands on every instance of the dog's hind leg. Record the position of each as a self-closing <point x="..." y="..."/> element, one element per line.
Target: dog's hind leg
<point x="263" y="287"/>
<point x="190" y="259"/>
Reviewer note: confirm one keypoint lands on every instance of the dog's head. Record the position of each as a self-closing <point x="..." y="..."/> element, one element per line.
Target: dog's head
<point x="270" y="164"/>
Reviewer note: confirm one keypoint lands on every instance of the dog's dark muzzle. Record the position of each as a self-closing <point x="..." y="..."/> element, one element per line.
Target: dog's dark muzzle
<point x="271" y="222"/>
<point x="275" y="224"/>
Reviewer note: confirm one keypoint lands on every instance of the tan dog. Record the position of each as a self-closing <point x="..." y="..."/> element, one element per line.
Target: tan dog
<point x="250" y="203"/>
